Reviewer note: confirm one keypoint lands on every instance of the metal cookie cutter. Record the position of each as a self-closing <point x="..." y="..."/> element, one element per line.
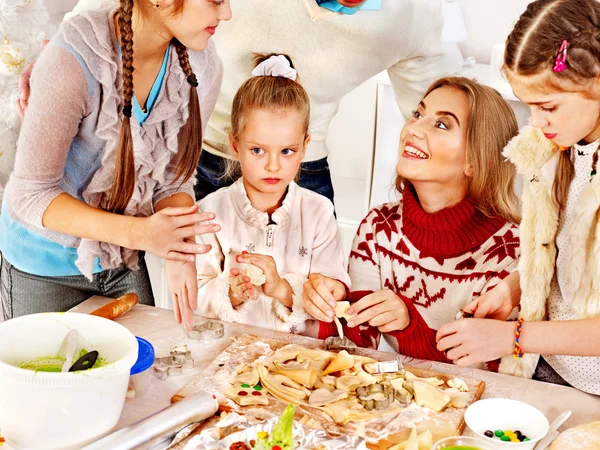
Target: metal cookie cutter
<point x="182" y="357"/>
<point x="173" y="365"/>
<point x="462" y="315"/>
<point x="376" y="396"/>
<point x="393" y="366"/>
<point x="336" y="344"/>
<point x="165" y="367"/>
<point x="207" y="331"/>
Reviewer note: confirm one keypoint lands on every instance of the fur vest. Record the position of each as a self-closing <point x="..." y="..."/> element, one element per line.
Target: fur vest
<point x="536" y="159"/>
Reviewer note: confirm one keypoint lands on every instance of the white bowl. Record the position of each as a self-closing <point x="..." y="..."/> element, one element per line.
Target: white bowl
<point x="507" y="414"/>
<point x="42" y="410"/>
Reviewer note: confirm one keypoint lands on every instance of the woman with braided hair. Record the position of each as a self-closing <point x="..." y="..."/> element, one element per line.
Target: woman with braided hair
<point x="106" y="158"/>
<point x="552" y="62"/>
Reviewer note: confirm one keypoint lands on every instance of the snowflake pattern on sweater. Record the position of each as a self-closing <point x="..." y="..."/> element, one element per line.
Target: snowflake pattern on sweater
<point x="437" y="263"/>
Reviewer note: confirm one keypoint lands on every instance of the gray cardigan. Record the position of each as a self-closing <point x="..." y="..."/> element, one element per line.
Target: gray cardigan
<point x="70" y="132"/>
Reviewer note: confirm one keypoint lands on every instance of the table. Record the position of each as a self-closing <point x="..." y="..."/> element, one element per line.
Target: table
<point x="158" y="326"/>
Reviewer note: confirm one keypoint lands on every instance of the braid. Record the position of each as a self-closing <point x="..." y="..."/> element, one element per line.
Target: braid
<point x="124" y="178"/>
<point x="184" y="62"/>
<point x="125" y="26"/>
<point x="534" y="42"/>
<point x="190" y="136"/>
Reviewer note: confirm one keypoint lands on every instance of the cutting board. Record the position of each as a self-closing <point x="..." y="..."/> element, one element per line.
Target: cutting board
<point x="381" y="433"/>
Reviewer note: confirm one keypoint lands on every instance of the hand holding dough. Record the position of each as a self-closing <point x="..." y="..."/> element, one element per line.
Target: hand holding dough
<point x="256" y="274"/>
<point x="341" y="310"/>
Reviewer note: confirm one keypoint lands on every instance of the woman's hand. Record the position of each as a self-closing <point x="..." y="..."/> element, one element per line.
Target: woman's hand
<point x="498" y="302"/>
<point x="473" y="341"/>
<point x="275" y="286"/>
<point x="183" y="286"/>
<point x="320" y="295"/>
<point x="24" y="87"/>
<point x="240" y="287"/>
<point x="164" y="232"/>
<point x="381" y="309"/>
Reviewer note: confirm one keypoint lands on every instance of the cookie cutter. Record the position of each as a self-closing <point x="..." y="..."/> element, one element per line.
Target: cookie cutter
<point x="383" y="367"/>
<point x="463" y="315"/>
<point x="181" y="351"/>
<point x="336" y="344"/>
<point x="208" y="330"/>
<point x="171" y="366"/>
<point x="165" y="367"/>
<point x="376" y="396"/>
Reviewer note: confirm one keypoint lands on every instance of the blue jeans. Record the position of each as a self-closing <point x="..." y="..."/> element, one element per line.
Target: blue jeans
<point x="314" y="175"/>
<point x="23" y="293"/>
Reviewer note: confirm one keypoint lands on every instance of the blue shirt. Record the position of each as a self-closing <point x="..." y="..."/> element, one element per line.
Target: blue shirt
<point x="140" y="114"/>
<point x="333" y="5"/>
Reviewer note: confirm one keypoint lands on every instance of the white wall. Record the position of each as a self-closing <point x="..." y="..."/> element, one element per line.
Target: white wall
<point x="488" y="22"/>
<point x="58" y="8"/>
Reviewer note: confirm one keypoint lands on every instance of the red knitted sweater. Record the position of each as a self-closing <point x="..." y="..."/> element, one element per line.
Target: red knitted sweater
<point x="437" y="263"/>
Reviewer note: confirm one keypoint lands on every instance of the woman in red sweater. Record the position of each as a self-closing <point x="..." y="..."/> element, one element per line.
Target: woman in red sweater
<point x="453" y="236"/>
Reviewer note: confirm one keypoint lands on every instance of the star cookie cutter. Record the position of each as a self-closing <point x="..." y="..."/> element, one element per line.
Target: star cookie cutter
<point x="173" y="365"/>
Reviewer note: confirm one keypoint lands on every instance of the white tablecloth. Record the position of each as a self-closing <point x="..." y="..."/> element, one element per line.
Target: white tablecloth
<point x="158" y="326"/>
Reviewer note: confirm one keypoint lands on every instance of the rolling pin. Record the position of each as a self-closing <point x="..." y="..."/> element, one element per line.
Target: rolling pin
<point x="165" y="423"/>
<point x="117" y="307"/>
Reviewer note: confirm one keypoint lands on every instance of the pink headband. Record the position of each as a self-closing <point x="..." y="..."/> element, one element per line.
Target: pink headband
<point x="560" y="64"/>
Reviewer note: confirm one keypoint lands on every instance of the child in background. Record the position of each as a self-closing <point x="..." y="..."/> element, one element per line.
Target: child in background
<point x="552" y="62"/>
<point x="266" y="219"/>
<point x="452" y="237"/>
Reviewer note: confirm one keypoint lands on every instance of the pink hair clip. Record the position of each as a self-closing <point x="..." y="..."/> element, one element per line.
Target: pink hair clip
<point x="560" y="64"/>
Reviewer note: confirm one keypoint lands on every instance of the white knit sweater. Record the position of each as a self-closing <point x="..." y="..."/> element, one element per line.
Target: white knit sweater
<point x="302" y="237"/>
<point x="333" y="53"/>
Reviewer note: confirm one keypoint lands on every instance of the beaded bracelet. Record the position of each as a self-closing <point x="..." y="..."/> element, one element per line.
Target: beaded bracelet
<point x="517" y="352"/>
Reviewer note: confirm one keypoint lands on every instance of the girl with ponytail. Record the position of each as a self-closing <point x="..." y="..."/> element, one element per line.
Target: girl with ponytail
<point x="106" y="158"/>
<point x="276" y="236"/>
<point x="552" y="62"/>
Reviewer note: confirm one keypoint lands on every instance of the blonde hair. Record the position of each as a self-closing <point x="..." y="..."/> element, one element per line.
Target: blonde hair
<point x="491" y="124"/>
<point x="532" y="48"/>
<point x="267" y="93"/>
<point x="190" y="135"/>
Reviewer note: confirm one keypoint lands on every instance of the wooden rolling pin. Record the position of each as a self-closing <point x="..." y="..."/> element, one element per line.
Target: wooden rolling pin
<point x="117" y="307"/>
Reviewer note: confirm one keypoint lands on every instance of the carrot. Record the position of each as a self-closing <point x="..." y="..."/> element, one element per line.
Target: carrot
<point x="117" y="307"/>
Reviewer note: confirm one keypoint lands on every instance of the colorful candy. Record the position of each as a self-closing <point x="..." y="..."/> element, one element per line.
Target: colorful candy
<point x="507" y="435"/>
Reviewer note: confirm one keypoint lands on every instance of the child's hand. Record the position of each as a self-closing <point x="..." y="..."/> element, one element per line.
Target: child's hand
<point x="381" y="309"/>
<point x="320" y="295"/>
<point x="241" y="287"/>
<point x="273" y="287"/>
<point x="164" y="232"/>
<point x="494" y="304"/>
<point x="183" y="285"/>
<point x="473" y="341"/>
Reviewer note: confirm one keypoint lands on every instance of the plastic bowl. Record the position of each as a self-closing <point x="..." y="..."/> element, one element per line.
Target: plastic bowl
<point x="507" y="414"/>
<point x="140" y="372"/>
<point x="46" y="411"/>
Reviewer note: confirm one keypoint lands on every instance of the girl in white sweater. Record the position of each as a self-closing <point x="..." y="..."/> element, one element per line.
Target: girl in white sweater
<point x="267" y="220"/>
